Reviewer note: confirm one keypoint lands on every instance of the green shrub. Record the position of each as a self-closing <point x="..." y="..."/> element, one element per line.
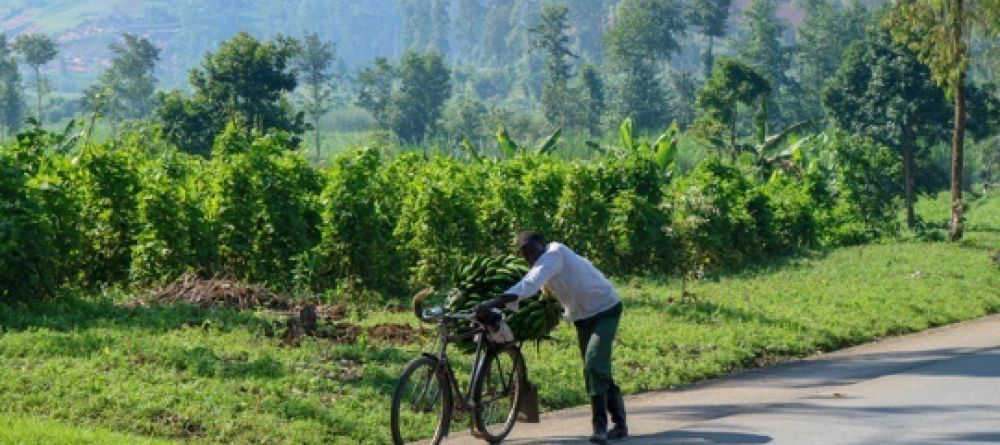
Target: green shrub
<point x="262" y="209"/>
<point x="357" y="246"/>
<point x="26" y="250"/>
<point x="437" y="219"/>
<point x="170" y="222"/>
<point x="107" y="185"/>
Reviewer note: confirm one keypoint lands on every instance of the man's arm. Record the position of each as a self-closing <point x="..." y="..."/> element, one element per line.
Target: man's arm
<point x="549" y="264"/>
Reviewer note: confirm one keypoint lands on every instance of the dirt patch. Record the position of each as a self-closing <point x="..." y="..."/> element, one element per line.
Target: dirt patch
<point x="215" y="292"/>
<point x="340" y="332"/>
<point x="395" y="333"/>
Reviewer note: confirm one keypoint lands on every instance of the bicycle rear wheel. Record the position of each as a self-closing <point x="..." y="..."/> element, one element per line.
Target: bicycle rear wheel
<point x="497" y="392"/>
<point x="421" y="404"/>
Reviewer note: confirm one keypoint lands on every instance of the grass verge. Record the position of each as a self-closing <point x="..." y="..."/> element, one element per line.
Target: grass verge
<point x="186" y="374"/>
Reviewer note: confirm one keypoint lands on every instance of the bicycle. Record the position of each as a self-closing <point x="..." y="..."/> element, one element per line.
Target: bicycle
<point x="428" y="387"/>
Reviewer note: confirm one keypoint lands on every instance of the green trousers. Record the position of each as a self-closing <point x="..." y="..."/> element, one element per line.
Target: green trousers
<point x="596" y="335"/>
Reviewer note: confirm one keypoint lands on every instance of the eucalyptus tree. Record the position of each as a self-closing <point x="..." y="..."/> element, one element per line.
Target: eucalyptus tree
<point x="36" y="50"/>
<point x="710" y="17"/>
<point x="639" y="42"/>
<point x="126" y="88"/>
<point x="551" y="36"/>
<point x="823" y="37"/>
<point x="314" y="64"/>
<point x="11" y="98"/>
<point x="760" y="45"/>
<point x="938" y="32"/>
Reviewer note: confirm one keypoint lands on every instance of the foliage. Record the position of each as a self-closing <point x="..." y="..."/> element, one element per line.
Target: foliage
<point x="356" y="245"/>
<point x="883" y="92"/>
<point x="11" y="95"/>
<point x="710" y="17"/>
<point x="27" y="252"/>
<point x="824" y="36"/>
<point x="732" y="83"/>
<point x="245" y="82"/>
<point x="314" y="64"/>
<point x="643" y="34"/>
<point x="408" y="98"/>
<point x="125" y="89"/>
<point x="261" y="208"/>
<point x="36" y="50"/>
<point x="762" y="47"/>
<point x="551" y="36"/>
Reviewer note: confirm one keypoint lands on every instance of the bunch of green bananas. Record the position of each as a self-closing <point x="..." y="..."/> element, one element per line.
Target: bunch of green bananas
<point x="484" y="278"/>
<point x="536" y="318"/>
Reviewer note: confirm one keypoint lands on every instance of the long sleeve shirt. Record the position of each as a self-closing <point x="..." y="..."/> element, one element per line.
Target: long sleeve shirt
<point x="581" y="289"/>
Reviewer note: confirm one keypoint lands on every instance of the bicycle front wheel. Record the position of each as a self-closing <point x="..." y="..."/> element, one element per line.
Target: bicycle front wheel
<point x="421" y="404"/>
<point x="497" y="392"/>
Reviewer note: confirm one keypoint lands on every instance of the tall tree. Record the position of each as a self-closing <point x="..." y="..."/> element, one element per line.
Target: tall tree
<point x="409" y="98"/>
<point x="710" y="17"/>
<point x="588" y="21"/>
<point x="733" y="83"/>
<point x="592" y="98"/>
<point x="470" y="21"/>
<point x="11" y="98"/>
<point x="760" y="46"/>
<point x="550" y="35"/>
<point x="440" y="27"/>
<point x="882" y="91"/>
<point x="315" y="66"/>
<point x="375" y="85"/>
<point x="495" y="33"/>
<point x="125" y="89"/>
<point x="425" y="85"/>
<point x="246" y="81"/>
<point x="824" y="35"/>
<point x="36" y="50"/>
<point x="642" y="38"/>
<point x="937" y="30"/>
<point x="416" y="24"/>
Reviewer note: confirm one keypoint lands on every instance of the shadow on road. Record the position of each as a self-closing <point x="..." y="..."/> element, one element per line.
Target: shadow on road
<point x="680" y="437"/>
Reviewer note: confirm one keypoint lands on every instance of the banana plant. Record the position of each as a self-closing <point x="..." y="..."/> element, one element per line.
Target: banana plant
<point x="512" y="149"/>
<point x="663" y="150"/>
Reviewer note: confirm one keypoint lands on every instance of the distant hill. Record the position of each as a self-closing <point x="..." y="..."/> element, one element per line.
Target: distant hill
<point x="186" y="29"/>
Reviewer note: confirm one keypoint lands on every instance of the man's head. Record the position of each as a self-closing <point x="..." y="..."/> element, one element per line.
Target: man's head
<point x="531" y="245"/>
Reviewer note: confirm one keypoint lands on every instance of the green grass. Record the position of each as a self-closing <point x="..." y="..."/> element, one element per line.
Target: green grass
<point x="33" y="431"/>
<point x="89" y="365"/>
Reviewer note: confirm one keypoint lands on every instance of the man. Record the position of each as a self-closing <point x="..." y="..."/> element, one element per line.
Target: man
<point x="591" y="302"/>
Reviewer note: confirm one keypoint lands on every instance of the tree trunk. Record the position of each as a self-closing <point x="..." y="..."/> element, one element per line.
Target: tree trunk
<point x="955" y="228"/>
<point x="316" y="120"/>
<point x="732" y="132"/>
<point x="911" y="219"/>
<point x="38" y="92"/>
<point x="709" y="57"/>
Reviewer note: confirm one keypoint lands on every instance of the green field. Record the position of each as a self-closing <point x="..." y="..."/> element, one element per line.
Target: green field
<point x="90" y="368"/>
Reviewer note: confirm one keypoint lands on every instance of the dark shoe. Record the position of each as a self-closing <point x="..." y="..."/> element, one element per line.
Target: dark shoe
<point x="599" y="438"/>
<point x="599" y="411"/>
<point x="618" y="432"/>
<point x="616" y="406"/>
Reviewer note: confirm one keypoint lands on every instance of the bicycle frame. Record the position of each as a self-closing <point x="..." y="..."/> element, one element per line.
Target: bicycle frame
<point x="444" y="365"/>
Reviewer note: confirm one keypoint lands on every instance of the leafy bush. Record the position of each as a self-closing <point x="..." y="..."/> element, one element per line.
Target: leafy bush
<point x="357" y="244"/>
<point x="171" y="226"/>
<point x="437" y="219"/>
<point x="107" y="184"/>
<point x="26" y="249"/>
<point x="262" y="209"/>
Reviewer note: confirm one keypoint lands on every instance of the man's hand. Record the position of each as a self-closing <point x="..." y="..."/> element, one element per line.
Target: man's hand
<point x="483" y="309"/>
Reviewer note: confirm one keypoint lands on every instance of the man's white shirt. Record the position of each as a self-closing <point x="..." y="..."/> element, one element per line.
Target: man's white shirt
<point x="582" y="290"/>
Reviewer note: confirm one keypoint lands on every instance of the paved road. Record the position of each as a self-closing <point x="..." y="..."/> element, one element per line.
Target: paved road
<point x="940" y="386"/>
